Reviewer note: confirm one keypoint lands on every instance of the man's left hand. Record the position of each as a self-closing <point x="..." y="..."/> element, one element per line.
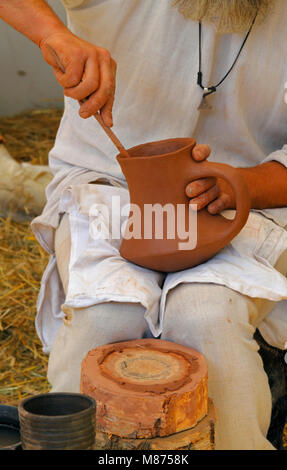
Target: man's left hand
<point x="213" y="193"/>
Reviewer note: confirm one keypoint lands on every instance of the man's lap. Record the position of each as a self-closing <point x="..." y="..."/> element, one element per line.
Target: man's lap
<point x="116" y="279"/>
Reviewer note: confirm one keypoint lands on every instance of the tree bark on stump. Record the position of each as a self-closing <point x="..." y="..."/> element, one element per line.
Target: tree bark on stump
<point x="200" y="437"/>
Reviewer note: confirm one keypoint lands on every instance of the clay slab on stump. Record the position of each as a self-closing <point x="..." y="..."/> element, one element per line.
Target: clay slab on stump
<point x="146" y="388"/>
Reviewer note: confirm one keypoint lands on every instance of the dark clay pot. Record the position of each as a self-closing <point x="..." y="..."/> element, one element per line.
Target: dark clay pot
<point x="57" y="421"/>
<point x="158" y="173"/>
<point x="9" y="428"/>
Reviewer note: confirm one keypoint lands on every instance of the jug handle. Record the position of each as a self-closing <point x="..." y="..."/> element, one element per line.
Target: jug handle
<point x="238" y="185"/>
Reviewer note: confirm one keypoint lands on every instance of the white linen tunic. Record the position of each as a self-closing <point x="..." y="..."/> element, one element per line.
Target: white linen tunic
<point x="157" y="97"/>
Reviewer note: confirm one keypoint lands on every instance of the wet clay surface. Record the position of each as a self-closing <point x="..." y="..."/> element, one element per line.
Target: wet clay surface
<point x="148" y="370"/>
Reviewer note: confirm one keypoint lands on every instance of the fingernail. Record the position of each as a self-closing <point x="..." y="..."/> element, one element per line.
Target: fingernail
<point x="212" y="210"/>
<point x="198" y="155"/>
<point x="193" y="207"/>
<point x="190" y="190"/>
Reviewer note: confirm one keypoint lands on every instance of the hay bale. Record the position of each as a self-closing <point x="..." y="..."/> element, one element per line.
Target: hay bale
<point x="28" y="137"/>
<point x="23" y="365"/>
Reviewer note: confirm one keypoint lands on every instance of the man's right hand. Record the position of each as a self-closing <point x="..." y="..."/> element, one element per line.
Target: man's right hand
<point x="90" y="72"/>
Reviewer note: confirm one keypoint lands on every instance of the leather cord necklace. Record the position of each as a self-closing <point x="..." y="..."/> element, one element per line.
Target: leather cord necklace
<point x="212" y="89"/>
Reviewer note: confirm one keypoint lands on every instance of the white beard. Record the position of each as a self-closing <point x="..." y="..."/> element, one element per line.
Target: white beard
<point x="228" y="16"/>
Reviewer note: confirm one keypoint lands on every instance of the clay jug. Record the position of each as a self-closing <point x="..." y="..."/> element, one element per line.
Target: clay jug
<point x="157" y="174"/>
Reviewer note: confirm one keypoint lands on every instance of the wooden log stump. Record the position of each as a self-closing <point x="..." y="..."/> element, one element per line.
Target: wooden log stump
<point x="200" y="437"/>
<point x="146" y="388"/>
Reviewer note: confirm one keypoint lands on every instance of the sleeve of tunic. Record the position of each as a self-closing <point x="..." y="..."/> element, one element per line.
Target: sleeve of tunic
<point x="278" y="156"/>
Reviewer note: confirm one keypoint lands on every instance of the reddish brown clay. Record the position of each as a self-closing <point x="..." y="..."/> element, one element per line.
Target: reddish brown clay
<point x="146" y="388"/>
<point x="158" y="173"/>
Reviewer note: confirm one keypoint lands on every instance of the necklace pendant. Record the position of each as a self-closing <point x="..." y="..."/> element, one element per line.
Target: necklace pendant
<point x="204" y="103"/>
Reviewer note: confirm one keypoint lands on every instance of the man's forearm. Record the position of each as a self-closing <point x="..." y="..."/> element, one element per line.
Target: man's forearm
<point x="267" y="184"/>
<point x="83" y="69"/>
<point x="33" y="18"/>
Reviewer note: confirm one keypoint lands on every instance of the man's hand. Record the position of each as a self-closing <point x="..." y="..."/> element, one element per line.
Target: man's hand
<point x="267" y="186"/>
<point x="90" y="72"/>
<point x="212" y="193"/>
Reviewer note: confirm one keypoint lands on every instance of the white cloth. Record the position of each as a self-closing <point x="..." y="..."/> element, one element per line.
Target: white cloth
<point x="97" y="272"/>
<point x="157" y="54"/>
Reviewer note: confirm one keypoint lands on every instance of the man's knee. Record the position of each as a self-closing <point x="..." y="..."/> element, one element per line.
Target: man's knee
<point x="209" y="306"/>
<point x="106" y="322"/>
<point x="85" y="329"/>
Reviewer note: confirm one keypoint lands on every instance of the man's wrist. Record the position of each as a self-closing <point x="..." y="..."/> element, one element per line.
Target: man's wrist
<point x="267" y="184"/>
<point x="255" y="190"/>
<point x="250" y="177"/>
<point x="50" y="30"/>
<point x="33" y="18"/>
